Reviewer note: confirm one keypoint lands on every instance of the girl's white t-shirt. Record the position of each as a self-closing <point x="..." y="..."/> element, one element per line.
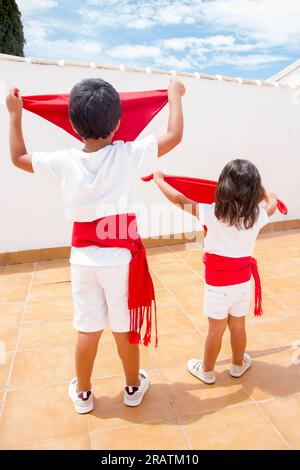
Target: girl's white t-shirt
<point x="229" y="241"/>
<point x="96" y="185"/>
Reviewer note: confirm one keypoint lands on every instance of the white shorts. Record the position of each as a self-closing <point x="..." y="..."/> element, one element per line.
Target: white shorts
<point x="221" y="301"/>
<point x="100" y="298"/>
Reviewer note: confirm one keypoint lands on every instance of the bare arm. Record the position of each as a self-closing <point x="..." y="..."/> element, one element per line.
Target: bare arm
<point x="175" y="196"/>
<point x="174" y="133"/>
<point x="270" y="203"/>
<point x="18" y="152"/>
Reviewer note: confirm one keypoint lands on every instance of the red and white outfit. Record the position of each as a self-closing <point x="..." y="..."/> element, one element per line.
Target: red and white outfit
<point x="97" y="185"/>
<point x="228" y="257"/>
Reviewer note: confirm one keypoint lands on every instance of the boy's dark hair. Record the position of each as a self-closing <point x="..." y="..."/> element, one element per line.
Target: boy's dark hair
<point x="94" y="108"/>
<point x="238" y="194"/>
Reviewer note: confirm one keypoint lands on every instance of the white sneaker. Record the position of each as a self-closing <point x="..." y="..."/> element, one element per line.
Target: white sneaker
<point x="195" y="367"/>
<point x="133" y="396"/>
<point x="84" y="401"/>
<point x="238" y="371"/>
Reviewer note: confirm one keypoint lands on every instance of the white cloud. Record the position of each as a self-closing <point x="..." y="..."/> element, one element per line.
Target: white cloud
<point x="39" y="39"/>
<point x="246" y="62"/>
<point x="30" y="6"/>
<point x="273" y="22"/>
<point x="182" y="43"/>
<point x="140" y="14"/>
<point x="146" y="53"/>
<point x="134" y="52"/>
<point x="194" y="53"/>
<point x="175" y="13"/>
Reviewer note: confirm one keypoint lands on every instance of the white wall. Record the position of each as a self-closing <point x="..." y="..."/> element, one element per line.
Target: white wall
<point x="291" y="78"/>
<point x="223" y="120"/>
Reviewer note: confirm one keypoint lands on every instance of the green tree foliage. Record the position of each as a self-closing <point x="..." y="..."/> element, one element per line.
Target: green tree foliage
<point x="11" y="29"/>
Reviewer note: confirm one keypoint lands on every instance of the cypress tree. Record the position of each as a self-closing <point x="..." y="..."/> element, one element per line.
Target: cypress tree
<point x="11" y="29"/>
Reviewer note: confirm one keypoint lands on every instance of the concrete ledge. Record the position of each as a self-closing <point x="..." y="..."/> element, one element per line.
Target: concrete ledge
<point x="45" y="254"/>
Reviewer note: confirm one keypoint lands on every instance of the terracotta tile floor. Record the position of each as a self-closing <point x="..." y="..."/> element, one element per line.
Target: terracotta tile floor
<point x="259" y="411"/>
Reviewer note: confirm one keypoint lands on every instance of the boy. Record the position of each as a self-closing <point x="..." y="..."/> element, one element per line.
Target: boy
<point x="101" y="174"/>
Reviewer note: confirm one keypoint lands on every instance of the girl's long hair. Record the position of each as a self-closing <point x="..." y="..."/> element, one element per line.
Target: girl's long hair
<point x="238" y="194"/>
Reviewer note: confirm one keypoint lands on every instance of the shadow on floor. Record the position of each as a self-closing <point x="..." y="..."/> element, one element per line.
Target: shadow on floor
<point x="185" y="398"/>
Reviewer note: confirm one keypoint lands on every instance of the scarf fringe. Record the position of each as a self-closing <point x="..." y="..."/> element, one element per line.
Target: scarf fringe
<point x="258" y="310"/>
<point x="137" y="317"/>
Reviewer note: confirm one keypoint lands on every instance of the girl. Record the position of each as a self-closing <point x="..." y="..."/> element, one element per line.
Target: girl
<point x="233" y="222"/>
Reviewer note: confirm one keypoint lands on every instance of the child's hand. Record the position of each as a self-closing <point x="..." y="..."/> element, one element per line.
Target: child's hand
<point x="269" y="196"/>
<point x="269" y="203"/>
<point x="14" y="102"/>
<point x="158" y="175"/>
<point x="176" y="89"/>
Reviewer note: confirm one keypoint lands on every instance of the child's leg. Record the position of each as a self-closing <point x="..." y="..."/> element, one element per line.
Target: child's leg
<point x="86" y="350"/>
<point x="130" y="357"/>
<point x="238" y="338"/>
<point x="213" y="342"/>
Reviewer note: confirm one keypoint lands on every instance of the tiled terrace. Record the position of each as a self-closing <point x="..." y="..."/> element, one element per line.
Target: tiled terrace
<point x="259" y="411"/>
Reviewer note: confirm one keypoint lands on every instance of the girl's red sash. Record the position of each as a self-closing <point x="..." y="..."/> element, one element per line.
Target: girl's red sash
<point x="223" y="271"/>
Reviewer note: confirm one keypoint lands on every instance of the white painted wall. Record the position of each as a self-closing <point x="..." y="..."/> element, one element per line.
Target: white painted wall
<point x="223" y="120"/>
<point x="292" y="78"/>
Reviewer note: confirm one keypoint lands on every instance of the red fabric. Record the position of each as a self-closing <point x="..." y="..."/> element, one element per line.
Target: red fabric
<point x="224" y="271"/>
<point x="138" y="109"/>
<point x="121" y="231"/>
<point x="200" y="190"/>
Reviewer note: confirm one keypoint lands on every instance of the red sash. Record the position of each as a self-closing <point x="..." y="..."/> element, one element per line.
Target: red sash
<point x="223" y="271"/>
<point x="120" y="231"/>
<point x="138" y="109"/>
<point x="200" y="190"/>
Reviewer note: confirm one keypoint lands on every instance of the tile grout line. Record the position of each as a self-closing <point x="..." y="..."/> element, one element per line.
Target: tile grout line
<point x="185" y="262"/>
<point x="28" y="444"/>
<point x="172" y="404"/>
<point x="157" y="369"/>
<point x="179" y="304"/>
<point x="272" y="424"/>
<point x="256" y="404"/>
<point x="17" y="341"/>
<point x="180" y="420"/>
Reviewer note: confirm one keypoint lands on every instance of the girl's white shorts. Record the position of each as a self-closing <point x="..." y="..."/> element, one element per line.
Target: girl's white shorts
<point x="221" y="301"/>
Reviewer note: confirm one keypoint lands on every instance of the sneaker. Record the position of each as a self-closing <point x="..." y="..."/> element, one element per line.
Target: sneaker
<point x="84" y="401"/>
<point x="195" y="367"/>
<point x="238" y="371"/>
<point x="133" y="396"/>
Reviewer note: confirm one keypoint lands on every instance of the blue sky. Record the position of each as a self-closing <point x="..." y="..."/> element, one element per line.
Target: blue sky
<point x="246" y="38"/>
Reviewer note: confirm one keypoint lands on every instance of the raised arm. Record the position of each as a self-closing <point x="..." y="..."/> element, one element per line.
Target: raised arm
<point x="18" y="152"/>
<point x="270" y="203"/>
<point x="175" y="196"/>
<point x="174" y="133"/>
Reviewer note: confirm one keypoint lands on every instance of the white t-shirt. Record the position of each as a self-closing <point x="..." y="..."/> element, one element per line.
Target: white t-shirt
<point x="223" y="240"/>
<point x="96" y="185"/>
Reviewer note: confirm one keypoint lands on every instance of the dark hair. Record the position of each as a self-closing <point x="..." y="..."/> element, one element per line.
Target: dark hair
<point x="238" y="194"/>
<point x="94" y="108"/>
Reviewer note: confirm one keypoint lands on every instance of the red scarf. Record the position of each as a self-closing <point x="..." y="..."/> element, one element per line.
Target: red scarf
<point x="121" y="231"/>
<point x="223" y="271"/>
<point x="200" y="190"/>
<point x="138" y="109"/>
